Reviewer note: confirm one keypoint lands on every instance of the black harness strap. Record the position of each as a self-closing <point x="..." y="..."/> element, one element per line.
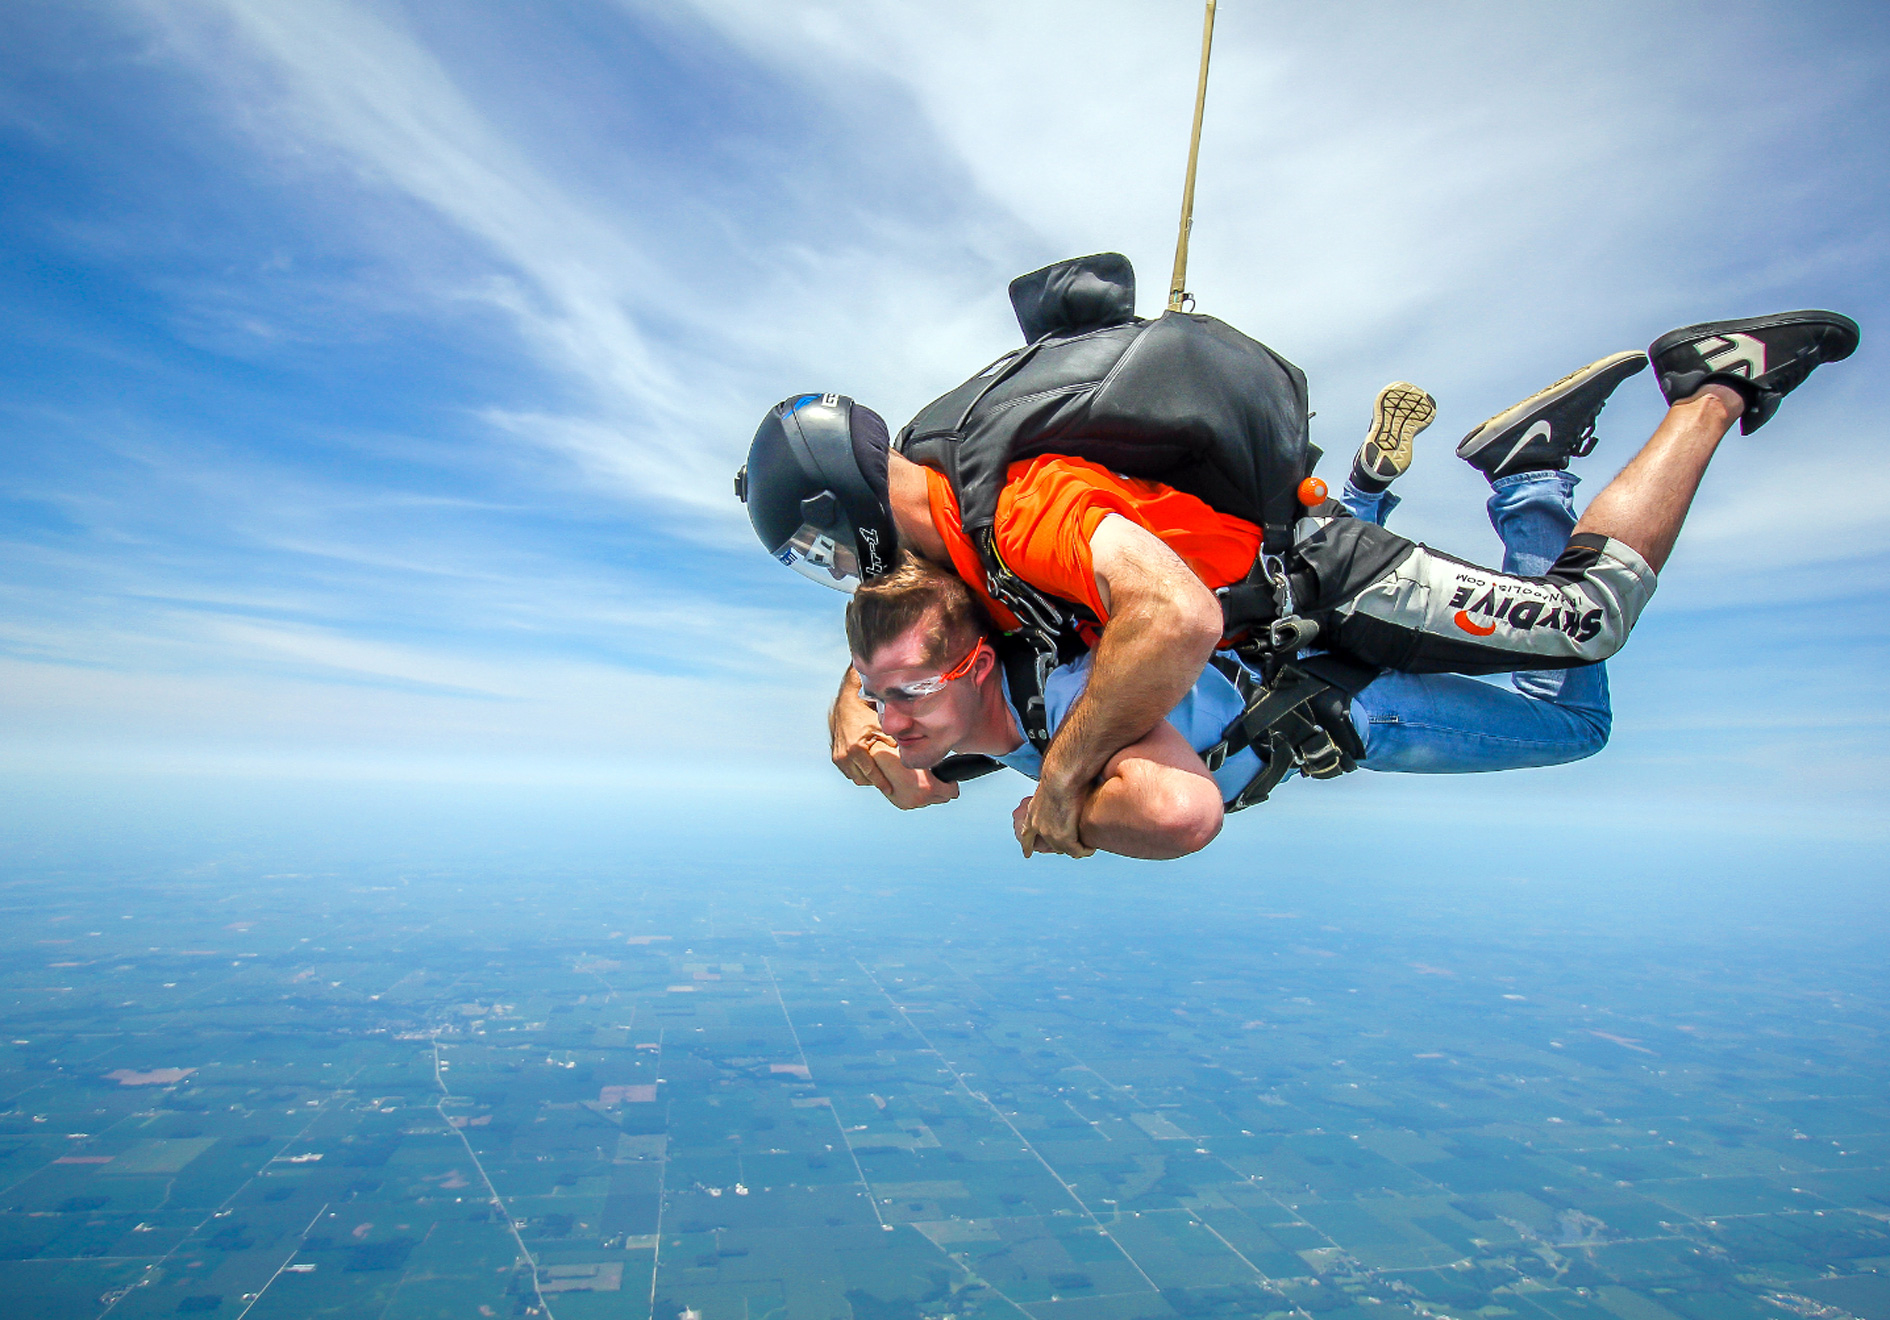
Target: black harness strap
<point x="1267" y="706"/>
<point x="1250" y="604"/>
<point x="1024" y="673"/>
<point x="1299" y="720"/>
<point x="964" y="766"/>
<point x="1343" y="673"/>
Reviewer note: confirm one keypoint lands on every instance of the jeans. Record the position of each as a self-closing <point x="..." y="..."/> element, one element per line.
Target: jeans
<point x="1451" y="724"/>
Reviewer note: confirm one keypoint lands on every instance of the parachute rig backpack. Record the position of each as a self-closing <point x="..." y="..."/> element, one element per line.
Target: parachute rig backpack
<point x="1183" y="399"/>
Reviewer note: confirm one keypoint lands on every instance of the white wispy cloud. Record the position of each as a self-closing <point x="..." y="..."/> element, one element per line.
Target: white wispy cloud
<point x="353" y="83"/>
<point x="592" y="283"/>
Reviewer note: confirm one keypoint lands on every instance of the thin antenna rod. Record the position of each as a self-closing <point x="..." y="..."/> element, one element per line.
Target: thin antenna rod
<point x="1177" y="286"/>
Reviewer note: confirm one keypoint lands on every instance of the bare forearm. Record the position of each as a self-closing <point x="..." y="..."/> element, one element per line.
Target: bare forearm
<point x="1140" y="670"/>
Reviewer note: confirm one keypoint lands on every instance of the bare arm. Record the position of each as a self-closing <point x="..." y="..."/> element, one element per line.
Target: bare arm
<point x="1156" y="801"/>
<point x="866" y="755"/>
<point x="1163" y="625"/>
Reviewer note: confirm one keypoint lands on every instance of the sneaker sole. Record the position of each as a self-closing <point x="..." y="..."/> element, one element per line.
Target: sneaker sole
<point x="1688" y="333"/>
<point x="1478" y="439"/>
<point x="1399" y="413"/>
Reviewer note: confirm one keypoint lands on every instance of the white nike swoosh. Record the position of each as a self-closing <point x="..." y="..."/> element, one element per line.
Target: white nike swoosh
<point x="1541" y="428"/>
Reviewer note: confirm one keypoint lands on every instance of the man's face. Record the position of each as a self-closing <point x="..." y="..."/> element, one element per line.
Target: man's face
<point x="928" y="727"/>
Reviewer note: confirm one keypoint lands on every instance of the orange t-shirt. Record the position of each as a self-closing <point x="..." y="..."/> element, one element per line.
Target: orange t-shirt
<point x="1051" y="506"/>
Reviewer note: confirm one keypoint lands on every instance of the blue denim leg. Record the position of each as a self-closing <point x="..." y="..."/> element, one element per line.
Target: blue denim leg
<point x="1371" y="508"/>
<point x="1534" y="513"/>
<point x="1450" y="724"/>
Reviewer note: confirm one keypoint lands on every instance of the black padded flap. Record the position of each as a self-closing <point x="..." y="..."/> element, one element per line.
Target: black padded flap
<point x="1085" y="293"/>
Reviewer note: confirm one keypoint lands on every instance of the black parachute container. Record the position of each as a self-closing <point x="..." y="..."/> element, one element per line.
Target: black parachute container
<point x="1181" y="398"/>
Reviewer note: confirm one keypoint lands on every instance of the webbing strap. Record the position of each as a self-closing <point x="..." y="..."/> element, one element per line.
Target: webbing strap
<point x="1280" y="700"/>
<point x="1265" y="707"/>
<point x="1284" y="724"/>
<point x="1022" y="673"/>
<point x="1280" y="758"/>
<point x="958" y="769"/>
<point x="1349" y="676"/>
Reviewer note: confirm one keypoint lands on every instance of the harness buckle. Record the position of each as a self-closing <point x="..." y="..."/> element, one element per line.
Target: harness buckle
<point x="1320" y="757"/>
<point x="1046" y="663"/>
<point x="1290" y="634"/>
<point x="1275" y="569"/>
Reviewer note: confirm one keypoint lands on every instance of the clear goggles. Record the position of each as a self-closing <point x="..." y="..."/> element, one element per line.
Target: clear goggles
<point x="813" y="553"/>
<point x="909" y="694"/>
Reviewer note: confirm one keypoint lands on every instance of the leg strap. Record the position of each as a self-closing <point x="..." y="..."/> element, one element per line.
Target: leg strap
<point x="1298" y="721"/>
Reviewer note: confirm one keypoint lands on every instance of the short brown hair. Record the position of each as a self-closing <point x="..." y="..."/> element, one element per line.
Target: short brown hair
<point x="915" y="593"/>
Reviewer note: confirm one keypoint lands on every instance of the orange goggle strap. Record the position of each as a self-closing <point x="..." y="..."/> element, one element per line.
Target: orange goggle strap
<point x="963" y="667"/>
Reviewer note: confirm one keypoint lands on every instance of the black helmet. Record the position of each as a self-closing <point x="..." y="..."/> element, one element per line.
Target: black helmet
<point x="815" y="487"/>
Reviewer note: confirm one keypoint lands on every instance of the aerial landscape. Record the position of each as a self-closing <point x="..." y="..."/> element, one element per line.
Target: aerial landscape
<point x="387" y="1100"/>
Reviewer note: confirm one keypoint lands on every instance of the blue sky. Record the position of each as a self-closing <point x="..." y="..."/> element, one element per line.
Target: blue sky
<point x="375" y="372"/>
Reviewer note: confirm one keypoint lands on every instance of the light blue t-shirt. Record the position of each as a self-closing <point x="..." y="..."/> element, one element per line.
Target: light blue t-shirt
<point x="1202" y="716"/>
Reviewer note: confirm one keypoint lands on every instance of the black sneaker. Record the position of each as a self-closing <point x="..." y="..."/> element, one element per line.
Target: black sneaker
<point x="1763" y="357"/>
<point x="1401" y="411"/>
<point x="1551" y="426"/>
